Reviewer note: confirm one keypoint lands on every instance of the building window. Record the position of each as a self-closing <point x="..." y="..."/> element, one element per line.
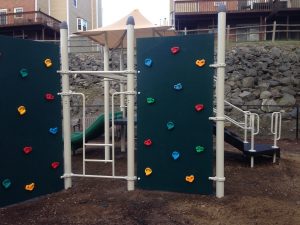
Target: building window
<point x="3" y="17"/>
<point x="75" y="3"/>
<point x="81" y="24"/>
<point x="18" y="12"/>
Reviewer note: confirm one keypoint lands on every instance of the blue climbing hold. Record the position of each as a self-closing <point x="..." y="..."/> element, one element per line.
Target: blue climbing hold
<point x="175" y="155"/>
<point x="170" y="125"/>
<point x="53" y="130"/>
<point x="178" y="86"/>
<point x="148" y="62"/>
<point x="6" y="183"/>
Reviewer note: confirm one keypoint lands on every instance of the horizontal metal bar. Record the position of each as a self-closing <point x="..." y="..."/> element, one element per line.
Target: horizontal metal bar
<point x="95" y="72"/>
<point x="95" y="144"/>
<point x="98" y="176"/>
<point x="97" y="160"/>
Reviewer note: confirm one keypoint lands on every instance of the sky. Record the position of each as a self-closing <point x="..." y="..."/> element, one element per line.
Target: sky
<point x="154" y="10"/>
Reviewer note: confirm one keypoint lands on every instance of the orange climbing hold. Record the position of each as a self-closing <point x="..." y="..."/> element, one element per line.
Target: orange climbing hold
<point x="48" y="63"/>
<point x="190" y="178"/>
<point x="21" y="110"/>
<point x="200" y="62"/>
<point x="148" y="171"/>
<point x="30" y="187"/>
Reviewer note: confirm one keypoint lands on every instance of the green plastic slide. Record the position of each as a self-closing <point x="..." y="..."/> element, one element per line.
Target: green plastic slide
<point x="93" y="131"/>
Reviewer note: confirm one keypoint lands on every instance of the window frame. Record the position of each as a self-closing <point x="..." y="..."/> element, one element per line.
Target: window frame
<point x="75" y="3"/>
<point x="4" y="11"/>
<point x="82" y="24"/>
<point x="18" y="14"/>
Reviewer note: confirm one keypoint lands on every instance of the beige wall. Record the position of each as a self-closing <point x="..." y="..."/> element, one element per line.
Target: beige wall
<point x="83" y="11"/>
<point x="43" y="6"/>
<point x="59" y="9"/>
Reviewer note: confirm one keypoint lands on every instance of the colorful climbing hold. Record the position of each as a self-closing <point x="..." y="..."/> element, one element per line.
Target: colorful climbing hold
<point x="27" y="150"/>
<point x="148" y="142"/>
<point x="148" y="171"/>
<point x="6" y="183"/>
<point x="200" y="62"/>
<point x="199" y="107"/>
<point x="150" y="100"/>
<point x="148" y="62"/>
<point x="48" y="63"/>
<point x="190" y="178"/>
<point x="30" y="187"/>
<point x="175" y="155"/>
<point x="49" y="97"/>
<point x="175" y="50"/>
<point x="21" y="110"/>
<point x="24" y="73"/>
<point x="199" y="149"/>
<point x="53" y="130"/>
<point x="55" y="165"/>
<point x="170" y="125"/>
<point x="178" y="86"/>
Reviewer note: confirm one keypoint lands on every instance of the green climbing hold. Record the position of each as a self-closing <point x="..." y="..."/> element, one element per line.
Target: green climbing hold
<point x="150" y="100"/>
<point x="24" y="73"/>
<point x="199" y="149"/>
<point x="6" y="183"/>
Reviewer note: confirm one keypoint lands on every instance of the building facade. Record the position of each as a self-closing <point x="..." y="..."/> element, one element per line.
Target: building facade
<point x="40" y="19"/>
<point x="247" y="20"/>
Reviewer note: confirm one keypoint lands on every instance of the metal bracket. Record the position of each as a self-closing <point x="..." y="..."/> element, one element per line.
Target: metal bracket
<point x="65" y="93"/>
<point x="216" y="65"/>
<point x="219" y="179"/>
<point x="131" y="178"/>
<point x="66" y="175"/>
<point x="131" y="93"/>
<point x="217" y="118"/>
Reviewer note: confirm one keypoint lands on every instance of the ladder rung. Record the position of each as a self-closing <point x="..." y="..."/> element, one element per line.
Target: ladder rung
<point x="95" y="144"/>
<point x="97" y="160"/>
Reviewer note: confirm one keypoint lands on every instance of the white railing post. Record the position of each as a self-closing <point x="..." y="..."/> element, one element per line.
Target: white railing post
<point x="122" y="104"/>
<point x="106" y="102"/>
<point x="66" y="104"/>
<point x="274" y="32"/>
<point x="130" y="104"/>
<point x="246" y="115"/>
<point x="276" y="127"/>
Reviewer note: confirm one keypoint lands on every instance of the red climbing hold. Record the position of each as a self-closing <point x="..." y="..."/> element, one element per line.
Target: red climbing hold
<point x="175" y="50"/>
<point x="199" y="107"/>
<point x="49" y="96"/>
<point x="148" y="142"/>
<point x="27" y="150"/>
<point x="54" y="165"/>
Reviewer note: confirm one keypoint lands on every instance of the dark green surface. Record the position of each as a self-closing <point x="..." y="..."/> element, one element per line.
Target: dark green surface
<point x="95" y="130"/>
<point x="32" y="129"/>
<point x="191" y="128"/>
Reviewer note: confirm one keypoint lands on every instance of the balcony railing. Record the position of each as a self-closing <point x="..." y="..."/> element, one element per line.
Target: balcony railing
<point x="28" y="18"/>
<point x="210" y="6"/>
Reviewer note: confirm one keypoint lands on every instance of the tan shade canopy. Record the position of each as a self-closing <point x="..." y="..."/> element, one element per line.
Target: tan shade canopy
<point x="115" y="33"/>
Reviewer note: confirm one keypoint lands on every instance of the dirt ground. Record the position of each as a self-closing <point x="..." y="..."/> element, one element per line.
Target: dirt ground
<point x="268" y="194"/>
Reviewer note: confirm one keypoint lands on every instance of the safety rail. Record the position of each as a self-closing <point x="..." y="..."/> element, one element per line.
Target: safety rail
<point x="276" y="127"/>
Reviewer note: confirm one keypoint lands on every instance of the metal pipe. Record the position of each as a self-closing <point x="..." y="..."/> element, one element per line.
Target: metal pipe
<point x="66" y="103"/>
<point x="220" y="102"/>
<point x="93" y="176"/>
<point x="130" y="104"/>
<point x="106" y="101"/>
<point x="122" y="104"/>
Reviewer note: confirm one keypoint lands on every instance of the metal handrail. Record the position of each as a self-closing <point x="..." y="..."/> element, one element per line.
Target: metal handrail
<point x="276" y="127"/>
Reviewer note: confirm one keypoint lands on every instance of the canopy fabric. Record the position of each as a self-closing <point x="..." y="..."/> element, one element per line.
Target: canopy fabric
<point x="115" y="33"/>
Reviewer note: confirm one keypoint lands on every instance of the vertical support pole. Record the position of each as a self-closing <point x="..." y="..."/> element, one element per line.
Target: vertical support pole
<point x="122" y="103"/>
<point x="106" y="101"/>
<point x="228" y="35"/>
<point x="130" y="104"/>
<point x="66" y="104"/>
<point x="274" y="31"/>
<point x="220" y="102"/>
<point x="185" y="31"/>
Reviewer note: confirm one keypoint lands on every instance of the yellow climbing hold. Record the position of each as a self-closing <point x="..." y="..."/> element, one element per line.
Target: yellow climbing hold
<point x="48" y="63"/>
<point x="30" y="187"/>
<point x="200" y="62"/>
<point x="190" y="178"/>
<point x="21" y="110"/>
<point x="148" y="171"/>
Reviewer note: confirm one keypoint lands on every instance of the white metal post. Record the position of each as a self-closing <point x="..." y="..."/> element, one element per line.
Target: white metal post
<point x="130" y="103"/>
<point x="122" y="103"/>
<point x="220" y="102"/>
<point x="106" y="102"/>
<point x="66" y="104"/>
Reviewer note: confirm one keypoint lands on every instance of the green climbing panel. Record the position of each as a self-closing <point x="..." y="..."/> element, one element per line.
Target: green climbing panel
<point x="31" y="149"/>
<point x="175" y="101"/>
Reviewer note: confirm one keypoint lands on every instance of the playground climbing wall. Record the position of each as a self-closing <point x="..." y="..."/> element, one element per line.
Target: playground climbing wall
<point x="31" y="149"/>
<point x="175" y="97"/>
